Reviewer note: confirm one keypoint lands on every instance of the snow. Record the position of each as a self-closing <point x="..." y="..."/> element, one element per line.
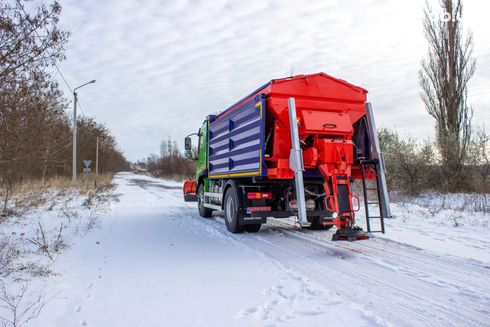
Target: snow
<point x="428" y="223"/>
<point x="153" y="261"/>
<point x="56" y="210"/>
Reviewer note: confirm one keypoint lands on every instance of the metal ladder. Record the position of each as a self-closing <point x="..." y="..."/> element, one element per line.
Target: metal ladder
<point x="372" y="164"/>
<point x="375" y="163"/>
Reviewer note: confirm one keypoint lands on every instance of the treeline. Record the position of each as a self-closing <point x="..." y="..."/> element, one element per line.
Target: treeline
<point x="413" y="166"/>
<point x="35" y="130"/>
<point x="171" y="163"/>
<point x="458" y="159"/>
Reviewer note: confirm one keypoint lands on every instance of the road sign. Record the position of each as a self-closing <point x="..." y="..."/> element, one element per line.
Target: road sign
<point x="87" y="163"/>
<point x="87" y="170"/>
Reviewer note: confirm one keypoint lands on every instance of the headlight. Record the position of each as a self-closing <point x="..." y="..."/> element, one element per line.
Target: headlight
<point x="335" y="215"/>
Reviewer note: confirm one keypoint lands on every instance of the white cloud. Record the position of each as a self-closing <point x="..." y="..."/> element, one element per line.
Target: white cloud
<point x="162" y="66"/>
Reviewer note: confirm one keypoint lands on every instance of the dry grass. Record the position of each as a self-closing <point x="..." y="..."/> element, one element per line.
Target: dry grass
<point x="33" y="193"/>
<point x="85" y="183"/>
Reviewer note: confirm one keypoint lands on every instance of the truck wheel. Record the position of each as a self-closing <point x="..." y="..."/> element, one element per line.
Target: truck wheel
<point x="317" y="225"/>
<point x="203" y="211"/>
<point x="231" y="206"/>
<point x="254" y="228"/>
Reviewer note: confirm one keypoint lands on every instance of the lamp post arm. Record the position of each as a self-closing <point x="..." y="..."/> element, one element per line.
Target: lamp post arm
<point x="91" y="82"/>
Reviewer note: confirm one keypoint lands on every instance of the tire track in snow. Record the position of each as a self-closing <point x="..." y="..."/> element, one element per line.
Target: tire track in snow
<point x="376" y="299"/>
<point x="395" y="255"/>
<point x="367" y="274"/>
<point x="383" y="295"/>
<point x="284" y="256"/>
<point x="406" y="300"/>
<point x="384" y="298"/>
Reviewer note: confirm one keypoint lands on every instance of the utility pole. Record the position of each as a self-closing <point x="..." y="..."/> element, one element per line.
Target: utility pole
<point x="75" y="99"/>
<point x="97" y="158"/>
<point x="74" y="159"/>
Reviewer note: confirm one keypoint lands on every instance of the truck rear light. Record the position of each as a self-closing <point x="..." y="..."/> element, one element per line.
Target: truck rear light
<point x="258" y="209"/>
<point x="259" y="195"/>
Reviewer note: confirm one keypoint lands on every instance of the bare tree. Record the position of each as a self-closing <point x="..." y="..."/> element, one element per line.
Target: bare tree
<point x="29" y="39"/>
<point x="479" y="158"/>
<point x="110" y="157"/>
<point x="35" y="130"/>
<point x="443" y="79"/>
<point x="31" y="103"/>
<point x="171" y="162"/>
<point x="409" y="163"/>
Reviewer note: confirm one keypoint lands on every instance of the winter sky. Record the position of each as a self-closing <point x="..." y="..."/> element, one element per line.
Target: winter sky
<point x="162" y="66"/>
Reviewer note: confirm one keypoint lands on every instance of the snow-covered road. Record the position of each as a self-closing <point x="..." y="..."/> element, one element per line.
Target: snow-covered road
<point x="155" y="262"/>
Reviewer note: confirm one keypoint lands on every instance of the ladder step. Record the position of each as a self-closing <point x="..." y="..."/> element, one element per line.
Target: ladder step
<point x="375" y="231"/>
<point x="375" y="217"/>
<point x="374" y="202"/>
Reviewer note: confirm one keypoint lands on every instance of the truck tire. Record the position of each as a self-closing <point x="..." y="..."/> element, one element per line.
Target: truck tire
<point x="203" y="211"/>
<point x="231" y="207"/>
<point x="317" y="225"/>
<point x="254" y="228"/>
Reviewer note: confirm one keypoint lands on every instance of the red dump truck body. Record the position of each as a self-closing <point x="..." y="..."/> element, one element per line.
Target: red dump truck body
<point x="249" y="145"/>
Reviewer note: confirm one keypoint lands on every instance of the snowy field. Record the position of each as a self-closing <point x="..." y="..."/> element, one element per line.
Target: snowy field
<point x="151" y="260"/>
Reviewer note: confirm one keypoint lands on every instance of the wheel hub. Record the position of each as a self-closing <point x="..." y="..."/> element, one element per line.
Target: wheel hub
<point x="230" y="208"/>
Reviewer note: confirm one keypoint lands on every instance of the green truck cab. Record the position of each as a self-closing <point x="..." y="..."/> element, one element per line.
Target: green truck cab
<point x="200" y="157"/>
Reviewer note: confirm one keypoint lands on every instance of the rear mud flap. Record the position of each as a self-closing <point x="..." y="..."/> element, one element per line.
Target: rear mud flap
<point x="190" y="197"/>
<point x="247" y="220"/>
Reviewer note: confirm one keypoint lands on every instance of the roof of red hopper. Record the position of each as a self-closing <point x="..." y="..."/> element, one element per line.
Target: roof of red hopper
<point x="326" y="86"/>
<point x="321" y="75"/>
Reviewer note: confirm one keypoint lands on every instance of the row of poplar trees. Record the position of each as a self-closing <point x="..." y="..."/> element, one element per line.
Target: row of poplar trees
<point x="459" y="158"/>
<point x="35" y="130"/>
<point x="443" y="79"/>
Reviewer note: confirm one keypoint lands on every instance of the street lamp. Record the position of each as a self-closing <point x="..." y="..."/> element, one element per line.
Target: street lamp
<point x="74" y="164"/>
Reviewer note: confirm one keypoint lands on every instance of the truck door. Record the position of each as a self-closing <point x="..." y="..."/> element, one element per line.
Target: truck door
<point x="202" y="147"/>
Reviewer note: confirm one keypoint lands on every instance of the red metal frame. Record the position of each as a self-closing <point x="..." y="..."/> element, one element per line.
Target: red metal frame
<point x="327" y="109"/>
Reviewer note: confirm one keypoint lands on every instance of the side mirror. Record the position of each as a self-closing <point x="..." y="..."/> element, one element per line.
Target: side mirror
<point x="188" y="153"/>
<point x="188" y="143"/>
